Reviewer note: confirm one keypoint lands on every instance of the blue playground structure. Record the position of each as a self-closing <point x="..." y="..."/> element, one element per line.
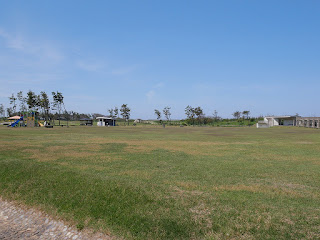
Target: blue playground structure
<point x="28" y="119"/>
<point x="16" y="122"/>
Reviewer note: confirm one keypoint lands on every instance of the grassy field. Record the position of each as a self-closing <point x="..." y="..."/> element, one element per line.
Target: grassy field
<point x="150" y="182"/>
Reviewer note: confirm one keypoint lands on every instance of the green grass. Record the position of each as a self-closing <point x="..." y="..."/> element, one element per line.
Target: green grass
<point x="149" y="182"/>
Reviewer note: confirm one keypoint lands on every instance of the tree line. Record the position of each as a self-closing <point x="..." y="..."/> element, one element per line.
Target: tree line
<point x="195" y="115"/>
<point x="166" y="112"/>
<point x="31" y="102"/>
<point x="54" y="108"/>
<point x="124" y="112"/>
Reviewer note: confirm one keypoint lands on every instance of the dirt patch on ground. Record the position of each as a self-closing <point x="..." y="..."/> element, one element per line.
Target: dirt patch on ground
<point x="201" y="215"/>
<point x="30" y="224"/>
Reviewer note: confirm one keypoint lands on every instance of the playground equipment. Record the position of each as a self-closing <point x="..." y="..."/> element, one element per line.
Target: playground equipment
<point x="27" y="119"/>
<point x="16" y="122"/>
<point x="31" y="119"/>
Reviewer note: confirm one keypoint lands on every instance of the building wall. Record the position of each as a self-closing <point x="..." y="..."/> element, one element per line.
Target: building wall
<point x="272" y="121"/>
<point x="262" y="125"/>
<point x="313" y="122"/>
<point x="106" y="122"/>
<point x="101" y="123"/>
<point x="288" y="122"/>
<point x="276" y="122"/>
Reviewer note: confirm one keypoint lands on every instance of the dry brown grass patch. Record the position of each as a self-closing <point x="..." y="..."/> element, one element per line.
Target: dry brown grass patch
<point x="52" y="153"/>
<point x="189" y="147"/>
<point x="14" y="145"/>
<point x="136" y="174"/>
<point x="273" y="189"/>
<point x="201" y="215"/>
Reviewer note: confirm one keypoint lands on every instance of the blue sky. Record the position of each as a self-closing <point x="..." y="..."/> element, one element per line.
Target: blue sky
<point x="262" y="56"/>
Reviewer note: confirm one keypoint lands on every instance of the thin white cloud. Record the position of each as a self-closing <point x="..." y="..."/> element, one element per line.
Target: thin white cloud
<point x="159" y="85"/>
<point x="14" y="42"/>
<point x="50" y="52"/>
<point x="152" y="92"/>
<point x="125" y="70"/>
<point x="150" y="95"/>
<point x="84" y="97"/>
<point x="30" y="78"/>
<point x="39" y="49"/>
<point x="29" y="63"/>
<point x="90" y="66"/>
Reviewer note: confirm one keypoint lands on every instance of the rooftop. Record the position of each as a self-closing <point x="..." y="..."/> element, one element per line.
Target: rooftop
<point x="286" y="116"/>
<point x="105" y="118"/>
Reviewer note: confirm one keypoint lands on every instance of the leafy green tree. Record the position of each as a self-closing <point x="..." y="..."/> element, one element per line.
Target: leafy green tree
<point x="9" y="111"/>
<point x="167" y="113"/>
<point x="125" y="112"/>
<point x="32" y="100"/>
<point x="58" y="102"/>
<point x="237" y="115"/>
<point x="66" y="115"/>
<point x="158" y="114"/>
<point x="13" y="100"/>
<point x="199" y="113"/>
<point x="215" y="116"/>
<point x="111" y="113"/>
<point x="44" y="103"/>
<point x="2" y="111"/>
<point x="116" y="112"/>
<point x="189" y="111"/>
<point x="22" y="101"/>
<point x="246" y="114"/>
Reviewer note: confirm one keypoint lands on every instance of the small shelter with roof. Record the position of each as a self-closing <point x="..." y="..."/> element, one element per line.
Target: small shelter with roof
<point x="14" y="121"/>
<point x="271" y="121"/>
<point x="105" y="121"/>
<point x="86" y="122"/>
<point x="281" y="120"/>
<point x="14" y="118"/>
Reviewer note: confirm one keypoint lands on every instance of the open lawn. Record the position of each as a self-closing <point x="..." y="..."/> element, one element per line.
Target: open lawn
<point x="150" y="182"/>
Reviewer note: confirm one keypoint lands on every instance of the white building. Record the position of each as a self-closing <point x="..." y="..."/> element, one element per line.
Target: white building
<point x="272" y="121"/>
<point x="105" y="121"/>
